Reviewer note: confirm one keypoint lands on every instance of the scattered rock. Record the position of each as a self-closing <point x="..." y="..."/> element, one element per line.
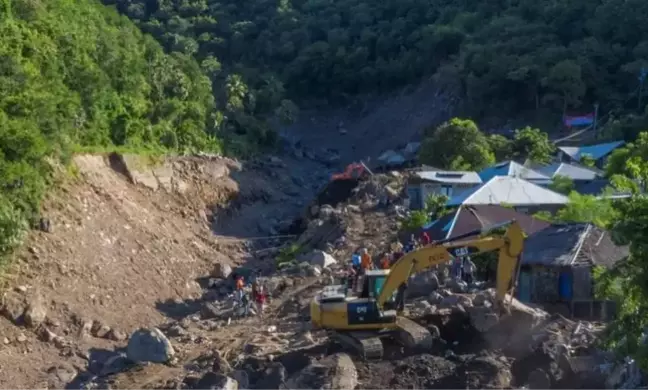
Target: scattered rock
<point x="332" y="372"/>
<point x="222" y="271"/>
<point x="13" y="307"/>
<point x="149" y="345"/>
<point x="483" y="318"/>
<point x="115" y="364"/>
<point x="21" y="338"/>
<point x="220" y="365"/>
<point x="59" y="376"/>
<point x="176" y="331"/>
<point x="35" y="313"/>
<point x="538" y="379"/>
<point x="274" y="376"/>
<point x="242" y="378"/>
<point x="214" y="381"/>
<point x="435" y="298"/>
<point x="116" y="335"/>
<point x="100" y="330"/>
<point x="455" y="300"/>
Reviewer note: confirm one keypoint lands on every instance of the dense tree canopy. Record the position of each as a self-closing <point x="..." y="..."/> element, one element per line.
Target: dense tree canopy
<point x="505" y="56"/>
<point x="459" y="145"/>
<point x="77" y="74"/>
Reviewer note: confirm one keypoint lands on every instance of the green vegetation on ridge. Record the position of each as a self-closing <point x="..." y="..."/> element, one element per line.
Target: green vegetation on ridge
<point x="504" y="57"/>
<point x="75" y="74"/>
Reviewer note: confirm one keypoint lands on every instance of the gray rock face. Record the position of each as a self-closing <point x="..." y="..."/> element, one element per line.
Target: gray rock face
<point x="149" y="345"/>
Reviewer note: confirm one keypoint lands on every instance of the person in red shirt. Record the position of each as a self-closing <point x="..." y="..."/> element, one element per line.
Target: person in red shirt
<point x="260" y="298"/>
<point x="385" y="263"/>
<point x="425" y="239"/>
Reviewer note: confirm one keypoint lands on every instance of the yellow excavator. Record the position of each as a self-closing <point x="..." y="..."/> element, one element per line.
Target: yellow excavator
<point x="360" y="321"/>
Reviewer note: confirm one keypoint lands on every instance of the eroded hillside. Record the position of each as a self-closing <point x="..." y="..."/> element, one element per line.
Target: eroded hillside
<point x="129" y="244"/>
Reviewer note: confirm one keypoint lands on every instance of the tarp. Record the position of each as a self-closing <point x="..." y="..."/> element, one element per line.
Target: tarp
<point x="580" y="120"/>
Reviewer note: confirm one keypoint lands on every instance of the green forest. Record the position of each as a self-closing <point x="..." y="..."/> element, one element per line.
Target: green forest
<point x="76" y="74"/>
<point x="503" y="57"/>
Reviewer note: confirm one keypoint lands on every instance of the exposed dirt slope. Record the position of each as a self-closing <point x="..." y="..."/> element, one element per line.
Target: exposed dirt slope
<point x="374" y="126"/>
<point x="130" y="241"/>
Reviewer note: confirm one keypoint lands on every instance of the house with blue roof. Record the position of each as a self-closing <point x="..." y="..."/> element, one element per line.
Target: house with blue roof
<point x="599" y="152"/>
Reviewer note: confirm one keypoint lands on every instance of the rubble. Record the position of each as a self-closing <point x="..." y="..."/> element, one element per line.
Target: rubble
<point x="333" y="372"/>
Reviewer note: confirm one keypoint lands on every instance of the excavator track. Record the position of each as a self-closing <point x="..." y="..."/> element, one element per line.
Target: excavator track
<point x="413" y="335"/>
<point x="365" y="344"/>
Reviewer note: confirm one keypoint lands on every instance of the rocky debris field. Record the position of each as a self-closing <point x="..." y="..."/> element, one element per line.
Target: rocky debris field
<point x="130" y="244"/>
<point x="131" y="289"/>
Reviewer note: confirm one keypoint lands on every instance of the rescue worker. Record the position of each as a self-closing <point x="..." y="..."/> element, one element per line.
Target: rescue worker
<point x="411" y="244"/>
<point x="385" y="263"/>
<point x="365" y="260"/>
<point x="397" y="252"/>
<point x="469" y="269"/>
<point x="425" y="239"/>
<point x="259" y="296"/>
<point x="352" y="276"/>
<point x="240" y="284"/>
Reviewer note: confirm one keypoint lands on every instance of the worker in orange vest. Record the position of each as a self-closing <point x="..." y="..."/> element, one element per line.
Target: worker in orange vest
<point x="365" y="260"/>
<point x="385" y="263"/>
<point x="240" y="284"/>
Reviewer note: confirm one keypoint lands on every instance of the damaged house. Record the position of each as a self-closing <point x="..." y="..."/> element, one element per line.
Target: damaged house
<point x="557" y="264"/>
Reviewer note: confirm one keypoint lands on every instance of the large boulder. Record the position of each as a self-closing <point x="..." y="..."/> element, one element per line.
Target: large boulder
<point x="149" y="345"/>
<point x="35" y="313"/>
<point x="422" y="284"/>
<point x="482" y="318"/>
<point x="222" y="271"/>
<point x="318" y="258"/>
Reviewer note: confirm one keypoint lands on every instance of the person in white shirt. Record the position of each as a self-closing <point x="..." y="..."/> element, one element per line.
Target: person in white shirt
<point x="469" y="269"/>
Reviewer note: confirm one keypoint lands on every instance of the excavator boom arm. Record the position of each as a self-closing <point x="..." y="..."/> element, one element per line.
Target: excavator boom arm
<point x="510" y="247"/>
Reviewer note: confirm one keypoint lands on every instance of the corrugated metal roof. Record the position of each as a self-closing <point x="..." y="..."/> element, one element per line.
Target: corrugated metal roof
<point x="469" y="218"/>
<point x="573" y="171"/>
<point x="451" y="177"/>
<point x="511" y="168"/>
<point x="508" y="190"/>
<point x="574" y="244"/>
<point x="596" y="151"/>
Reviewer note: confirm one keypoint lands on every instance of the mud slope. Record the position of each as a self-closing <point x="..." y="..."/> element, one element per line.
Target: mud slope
<point x="370" y="128"/>
<point x="127" y="237"/>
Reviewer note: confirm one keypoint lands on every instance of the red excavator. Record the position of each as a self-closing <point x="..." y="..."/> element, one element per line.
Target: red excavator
<point x="352" y="171"/>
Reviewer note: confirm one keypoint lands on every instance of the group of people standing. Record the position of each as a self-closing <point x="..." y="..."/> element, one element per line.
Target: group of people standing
<point x="462" y="268"/>
<point x="258" y="297"/>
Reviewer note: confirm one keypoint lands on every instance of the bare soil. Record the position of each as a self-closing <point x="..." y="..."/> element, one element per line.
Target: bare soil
<point x="125" y="255"/>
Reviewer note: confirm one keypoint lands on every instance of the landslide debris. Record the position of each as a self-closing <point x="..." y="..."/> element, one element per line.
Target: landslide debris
<point x="205" y="340"/>
<point x="131" y="244"/>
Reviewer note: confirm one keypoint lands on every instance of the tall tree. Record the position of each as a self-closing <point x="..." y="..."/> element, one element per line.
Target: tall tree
<point x="457" y="144"/>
